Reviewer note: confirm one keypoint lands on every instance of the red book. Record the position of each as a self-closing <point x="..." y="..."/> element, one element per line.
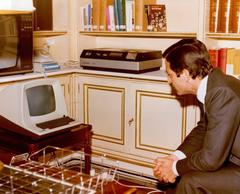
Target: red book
<point x="213" y="57"/>
<point x="222" y="59"/>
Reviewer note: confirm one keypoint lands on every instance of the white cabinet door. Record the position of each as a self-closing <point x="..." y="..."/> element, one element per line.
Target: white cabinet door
<point x="101" y="103"/>
<point x="162" y="119"/>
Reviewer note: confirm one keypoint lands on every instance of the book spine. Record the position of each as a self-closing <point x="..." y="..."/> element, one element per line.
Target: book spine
<point x="123" y="25"/>
<point x="129" y="15"/>
<point x="82" y="18"/>
<point x="214" y="16"/>
<point x="120" y="14"/>
<point x="116" y="15"/>
<point x="224" y="15"/>
<point x="103" y="14"/>
<point x="222" y="59"/>
<point x="139" y="15"/>
<point x="236" y="62"/>
<point x="230" y="61"/>
<point x="111" y="19"/>
<point x="213" y="53"/>
<point x="96" y="14"/>
<point x="234" y="17"/>
<point x="89" y="16"/>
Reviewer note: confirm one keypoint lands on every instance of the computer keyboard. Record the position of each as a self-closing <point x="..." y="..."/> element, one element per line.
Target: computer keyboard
<point x="55" y="123"/>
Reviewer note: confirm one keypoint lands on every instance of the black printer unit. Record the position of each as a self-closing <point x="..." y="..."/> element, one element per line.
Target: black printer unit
<point x="121" y="60"/>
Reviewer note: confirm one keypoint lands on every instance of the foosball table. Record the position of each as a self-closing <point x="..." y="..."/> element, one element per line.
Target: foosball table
<point x="62" y="171"/>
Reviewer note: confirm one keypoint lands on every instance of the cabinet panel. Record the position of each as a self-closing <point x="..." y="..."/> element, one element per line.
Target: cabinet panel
<point x="101" y="102"/>
<point x="104" y="109"/>
<point x="160" y="122"/>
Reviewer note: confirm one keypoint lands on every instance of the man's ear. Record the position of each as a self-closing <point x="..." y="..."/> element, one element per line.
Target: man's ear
<point x="185" y="73"/>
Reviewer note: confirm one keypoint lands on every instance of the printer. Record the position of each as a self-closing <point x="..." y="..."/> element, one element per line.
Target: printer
<point x="121" y="60"/>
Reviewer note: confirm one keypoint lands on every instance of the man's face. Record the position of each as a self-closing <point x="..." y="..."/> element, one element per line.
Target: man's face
<point x="179" y="83"/>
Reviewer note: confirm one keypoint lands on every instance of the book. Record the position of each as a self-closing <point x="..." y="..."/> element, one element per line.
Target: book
<point x="236" y="62"/>
<point x="213" y="53"/>
<point x="96" y="5"/>
<point x="110" y="18"/>
<point x="103" y="14"/>
<point x="234" y="19"/>
<point x="224" y="16"/>
<point x="85" y="14"/>
<point x="116" y="14"/>
<point x="83" y="20"/>
<point x="121" y="10"/>
<point x="129" y="15"/>
<point x="89" y="16"/>
<point x="123" y="18"/>
<point x="230" y="58"/>
<point x="214" y="22"/>
<point x="156" y="15"/>
<point x="222" y="59"/>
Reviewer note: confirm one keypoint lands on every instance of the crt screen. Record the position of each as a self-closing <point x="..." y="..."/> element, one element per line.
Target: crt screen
<point x="41" y="100"/>
<point x="8" y="41"/>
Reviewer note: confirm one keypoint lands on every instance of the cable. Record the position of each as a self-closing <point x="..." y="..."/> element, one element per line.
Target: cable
<point x="140" y="187"/>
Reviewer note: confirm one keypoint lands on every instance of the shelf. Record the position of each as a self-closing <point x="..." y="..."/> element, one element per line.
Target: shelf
<point x="140" y="34"/>
<point x="223" y="36"/>
<point x="14" y="12"/>
<point x="48" y="33"/>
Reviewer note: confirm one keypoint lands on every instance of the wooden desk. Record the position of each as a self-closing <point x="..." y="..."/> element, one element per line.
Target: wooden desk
<point x="77" y="138"/>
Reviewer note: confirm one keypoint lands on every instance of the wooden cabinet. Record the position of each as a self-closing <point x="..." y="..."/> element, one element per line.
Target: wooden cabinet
<point x="133" y="119"/>
<point x="51" y="18"/>
<point x="43" y="19"/>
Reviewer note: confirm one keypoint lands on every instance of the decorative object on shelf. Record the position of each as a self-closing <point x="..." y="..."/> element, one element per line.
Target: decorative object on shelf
<point x="43" y="60"/>
<point x="156" y="15"/>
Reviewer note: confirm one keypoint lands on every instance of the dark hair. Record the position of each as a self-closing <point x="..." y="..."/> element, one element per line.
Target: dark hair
<point x="190" y="54"/>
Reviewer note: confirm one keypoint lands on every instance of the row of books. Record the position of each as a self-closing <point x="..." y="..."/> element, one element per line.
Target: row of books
<point x="123" y="15"/>
<point x="227" y="59"/>
<point x="224" y="16"/>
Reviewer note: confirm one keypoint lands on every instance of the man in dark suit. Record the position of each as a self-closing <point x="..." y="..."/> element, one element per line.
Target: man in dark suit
<point x="208" y="160"/>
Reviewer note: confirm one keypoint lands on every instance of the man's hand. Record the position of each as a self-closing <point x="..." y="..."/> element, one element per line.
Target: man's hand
<point x="163" y="168"/>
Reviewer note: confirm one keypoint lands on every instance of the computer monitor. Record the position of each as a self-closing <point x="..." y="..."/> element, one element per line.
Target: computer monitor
<point x="35" y="108"/>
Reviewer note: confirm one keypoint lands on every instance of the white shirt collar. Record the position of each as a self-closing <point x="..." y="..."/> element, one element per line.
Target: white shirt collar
<point x="202" y="90"/>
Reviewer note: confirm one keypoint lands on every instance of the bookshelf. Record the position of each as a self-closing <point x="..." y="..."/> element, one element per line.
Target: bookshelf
<point x="140" y="34"/>
<point x="223" y="36"/>
<point x="180" y="24"/>
<point x="49" y="33"/>
<point x="221" y="32"/>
